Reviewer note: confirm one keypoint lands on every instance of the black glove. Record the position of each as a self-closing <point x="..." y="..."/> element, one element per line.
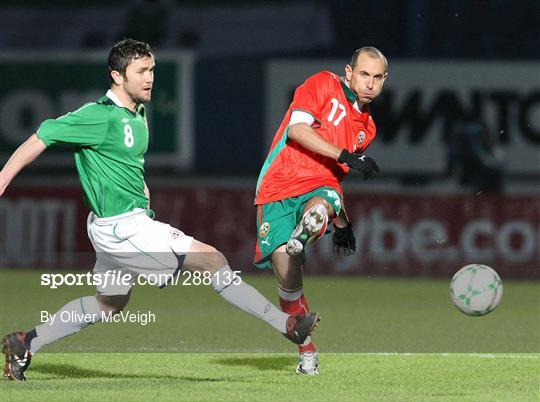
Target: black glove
<point x="344" y="240"/>
<point x="363" y="163"/>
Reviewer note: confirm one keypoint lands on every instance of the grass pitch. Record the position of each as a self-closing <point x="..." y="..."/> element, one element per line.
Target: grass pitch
<point x="379" y="340"/>
<point x="267" y="377"/>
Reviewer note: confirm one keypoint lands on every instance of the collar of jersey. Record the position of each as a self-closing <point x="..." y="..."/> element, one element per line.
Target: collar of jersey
<point x="113" y="99"/>
<point x="349" y="93"/>
<point x="112" y="96"/>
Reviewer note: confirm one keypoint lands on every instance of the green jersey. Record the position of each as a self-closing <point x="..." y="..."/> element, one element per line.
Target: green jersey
<point x="110" y="143"/>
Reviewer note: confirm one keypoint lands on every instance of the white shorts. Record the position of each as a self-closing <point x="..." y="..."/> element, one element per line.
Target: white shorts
<point x="136" y="245"/>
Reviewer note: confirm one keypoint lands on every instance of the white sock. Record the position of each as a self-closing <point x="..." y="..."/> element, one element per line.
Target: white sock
<point x="290" y="295"/>
<point x="248" y="299"/>
<point x="70" y="319"/>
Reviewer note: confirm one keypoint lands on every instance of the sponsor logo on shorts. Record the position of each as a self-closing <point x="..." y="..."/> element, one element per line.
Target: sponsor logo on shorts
<point x="176" y="234"/>
<point x="264" y="229"/>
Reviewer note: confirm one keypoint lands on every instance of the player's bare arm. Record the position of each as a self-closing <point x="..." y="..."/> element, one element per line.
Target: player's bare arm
<point x="309" y="139"/>
<point x="24" y="155"/>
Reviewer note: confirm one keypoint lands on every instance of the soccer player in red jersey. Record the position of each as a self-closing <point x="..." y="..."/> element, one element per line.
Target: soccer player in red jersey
<point x="324" y="133"/>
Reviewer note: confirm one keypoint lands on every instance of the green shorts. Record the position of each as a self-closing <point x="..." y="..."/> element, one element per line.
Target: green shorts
<point x="277" y="220"/>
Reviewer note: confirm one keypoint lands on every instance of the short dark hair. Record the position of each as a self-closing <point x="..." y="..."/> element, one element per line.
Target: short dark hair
<point x="372" y="52"/>
<point x="124" y="52"/>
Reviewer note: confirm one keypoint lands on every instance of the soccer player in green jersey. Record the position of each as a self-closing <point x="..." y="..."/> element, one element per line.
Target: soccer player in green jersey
<point x="111" y="138"/>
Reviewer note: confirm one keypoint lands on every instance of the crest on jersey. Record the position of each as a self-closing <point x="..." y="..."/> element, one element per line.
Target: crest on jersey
<point x="264" y="229"/>
<point x="361" y="136"/>
<point x="125" y="120"/>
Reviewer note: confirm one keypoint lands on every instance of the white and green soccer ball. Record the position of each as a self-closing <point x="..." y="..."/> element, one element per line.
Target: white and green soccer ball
<point x="476" y="289"/>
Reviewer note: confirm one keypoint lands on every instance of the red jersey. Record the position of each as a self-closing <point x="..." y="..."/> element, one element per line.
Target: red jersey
<point x="290" y="169"/>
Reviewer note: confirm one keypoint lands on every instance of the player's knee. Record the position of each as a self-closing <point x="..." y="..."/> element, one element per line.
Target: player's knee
<point x="216" y="260"/>
<point x="203" y="257"/>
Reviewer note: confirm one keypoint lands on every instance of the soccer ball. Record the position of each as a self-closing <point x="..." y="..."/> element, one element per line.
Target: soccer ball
<point x="476" y="289"/>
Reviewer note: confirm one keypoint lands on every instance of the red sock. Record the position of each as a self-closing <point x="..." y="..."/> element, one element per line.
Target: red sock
<point x="297" y="307"/>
